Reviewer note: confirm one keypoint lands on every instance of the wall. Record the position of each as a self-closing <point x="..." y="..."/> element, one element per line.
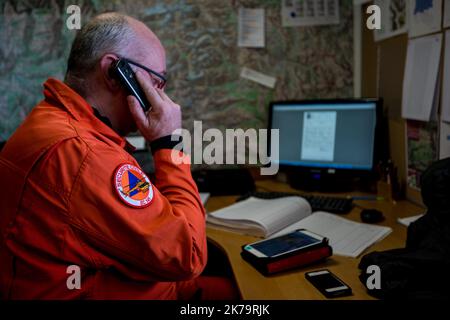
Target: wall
<point x="383" y="66"/>
<point x="203" y="60"/>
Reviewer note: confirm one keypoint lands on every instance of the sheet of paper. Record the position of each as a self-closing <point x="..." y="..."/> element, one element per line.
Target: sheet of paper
<point x="445" y="108"/>
<point x="421" y="77"/>
<point x="347" y="238"/>
<point x="297" y="13"/>
<point x="446" y="13"/>
<point x="434" y="115"/>
<point x="258" y="77"/>
<point x="137" y="141"/>
<point x="444" y="140"/>
<point x="394" y="18"/>
<point x="319" y="135"/>
<point x="408" y="220"/>
<point x="204" y="196"/>
<point x="251" y="29"/>
<point x="425" y="16"/>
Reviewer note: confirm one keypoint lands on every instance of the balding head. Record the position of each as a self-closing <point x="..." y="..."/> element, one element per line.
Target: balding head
<point x="111" y="33"/>
<point x="96" y="48"/>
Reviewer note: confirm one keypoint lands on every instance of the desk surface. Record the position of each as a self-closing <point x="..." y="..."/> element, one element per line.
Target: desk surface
<point x="293" y="285"/>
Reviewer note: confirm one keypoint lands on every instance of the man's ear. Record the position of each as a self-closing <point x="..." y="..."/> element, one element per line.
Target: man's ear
<point x="106" y="64"/>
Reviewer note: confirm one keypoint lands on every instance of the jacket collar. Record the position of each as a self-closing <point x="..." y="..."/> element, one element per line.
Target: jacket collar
<point x="80" y="110"/>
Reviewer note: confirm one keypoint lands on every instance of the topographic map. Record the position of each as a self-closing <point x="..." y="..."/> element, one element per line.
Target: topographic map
<point x="203" y="60"/>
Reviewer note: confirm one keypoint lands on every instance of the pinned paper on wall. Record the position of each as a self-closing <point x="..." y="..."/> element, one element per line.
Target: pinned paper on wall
<point x="445" y="108"/>
<point x="258" y="77"/>
<point x="300" y="13"/>
<point x="420" y="82"/>
<point x="251" y="30"/>
<point x="422" y="149"/>
<point x="444" y="140"/>
<point x="446" y="13"/>
<point x="425" y="16"/>
<point x="394" y="18"/>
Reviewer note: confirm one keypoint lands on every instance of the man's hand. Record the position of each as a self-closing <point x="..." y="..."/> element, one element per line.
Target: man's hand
<point x="164" y="117"/>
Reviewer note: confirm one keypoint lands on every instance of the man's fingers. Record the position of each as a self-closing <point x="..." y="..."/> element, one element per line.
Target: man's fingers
<point x="152" y="95"/>
<point x="163" y="95"/>
<point x="137" y="112"/>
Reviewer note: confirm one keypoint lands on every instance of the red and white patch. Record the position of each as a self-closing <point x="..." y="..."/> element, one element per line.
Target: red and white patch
<point x="133" y="186"/>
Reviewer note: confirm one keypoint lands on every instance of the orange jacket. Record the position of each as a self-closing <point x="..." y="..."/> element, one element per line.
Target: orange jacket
<point x="66" y="200"/>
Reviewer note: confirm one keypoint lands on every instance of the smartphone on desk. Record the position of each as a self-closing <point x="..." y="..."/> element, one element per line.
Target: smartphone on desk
<point x="285" y="244"/>
<point x="122" y="70"/>
<point x="328" y="284"/>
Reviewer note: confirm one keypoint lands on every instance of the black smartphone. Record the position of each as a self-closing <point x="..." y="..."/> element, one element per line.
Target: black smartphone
<point x="122" y="70"/>
<point x="328" y="284"/>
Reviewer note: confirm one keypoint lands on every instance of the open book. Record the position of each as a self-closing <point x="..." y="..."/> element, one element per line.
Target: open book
<point x="270" y="218"/>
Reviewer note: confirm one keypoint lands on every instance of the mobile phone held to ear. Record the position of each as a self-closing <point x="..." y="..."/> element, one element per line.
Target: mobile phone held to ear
<point x="122" y="70"/>
<point x="328" y="284"/>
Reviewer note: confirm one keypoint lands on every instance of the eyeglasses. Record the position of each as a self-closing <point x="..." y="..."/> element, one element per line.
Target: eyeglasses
<point x="159" y="80"/>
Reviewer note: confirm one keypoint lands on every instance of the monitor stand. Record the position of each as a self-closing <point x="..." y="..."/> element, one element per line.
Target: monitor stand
<point x="322" y="180"/>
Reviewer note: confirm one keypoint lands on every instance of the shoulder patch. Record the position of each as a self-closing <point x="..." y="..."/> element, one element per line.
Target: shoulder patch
<point x="133" y="186"/>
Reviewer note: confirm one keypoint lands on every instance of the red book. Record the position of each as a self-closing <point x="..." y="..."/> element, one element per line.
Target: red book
<point x="296" y="259"/>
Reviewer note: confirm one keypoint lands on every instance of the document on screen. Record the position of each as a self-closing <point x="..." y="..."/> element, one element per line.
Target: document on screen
<point x="319" y="135"/>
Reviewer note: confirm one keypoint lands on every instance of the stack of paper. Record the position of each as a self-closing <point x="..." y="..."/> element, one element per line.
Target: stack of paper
<point x="407" y="221"/>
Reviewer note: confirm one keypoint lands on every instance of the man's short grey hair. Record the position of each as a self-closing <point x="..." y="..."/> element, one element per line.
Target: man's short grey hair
<point x="107" y="33"/>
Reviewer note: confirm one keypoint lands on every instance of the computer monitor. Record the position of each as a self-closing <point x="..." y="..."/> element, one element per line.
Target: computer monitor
<point x="326" y="137"/>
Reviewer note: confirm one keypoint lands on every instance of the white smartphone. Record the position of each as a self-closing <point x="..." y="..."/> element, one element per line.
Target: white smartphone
<point x="327" y="283"/>
<point x="284" y="244"/>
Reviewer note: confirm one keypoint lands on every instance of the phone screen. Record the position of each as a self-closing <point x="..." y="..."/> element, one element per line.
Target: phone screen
<point x="286" y="243"/>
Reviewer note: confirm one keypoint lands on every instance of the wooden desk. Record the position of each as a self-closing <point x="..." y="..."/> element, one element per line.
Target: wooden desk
<point x="293" y="285"/>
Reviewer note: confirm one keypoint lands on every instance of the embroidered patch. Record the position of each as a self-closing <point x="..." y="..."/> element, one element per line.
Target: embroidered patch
<point x="133" y="186"/>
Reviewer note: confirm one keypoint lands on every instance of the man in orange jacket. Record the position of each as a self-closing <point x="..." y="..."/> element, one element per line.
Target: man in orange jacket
<point x="77" y="204"/>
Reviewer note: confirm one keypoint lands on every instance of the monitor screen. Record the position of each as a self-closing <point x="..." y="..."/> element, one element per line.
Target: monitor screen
<point x="326" y="134"/>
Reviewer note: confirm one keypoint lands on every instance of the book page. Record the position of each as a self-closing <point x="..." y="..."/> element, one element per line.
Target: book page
<point x="267" y="215"/>
<point x="347" y="238"/>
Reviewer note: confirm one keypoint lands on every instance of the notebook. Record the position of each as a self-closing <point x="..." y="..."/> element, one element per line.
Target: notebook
<point x="270" y="218"/>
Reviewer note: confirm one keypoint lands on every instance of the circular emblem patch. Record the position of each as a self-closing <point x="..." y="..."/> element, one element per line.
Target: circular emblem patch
<point x="133" y="186"/>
